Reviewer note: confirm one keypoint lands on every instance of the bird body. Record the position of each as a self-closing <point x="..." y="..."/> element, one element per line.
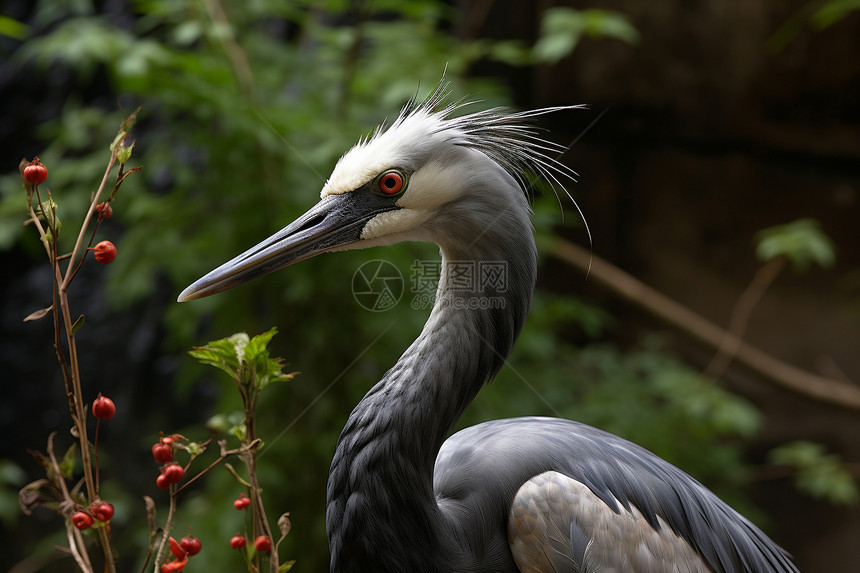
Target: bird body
<point x="522" y="494"/>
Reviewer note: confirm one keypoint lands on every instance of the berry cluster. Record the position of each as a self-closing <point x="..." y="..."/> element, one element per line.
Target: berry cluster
<point x="171" y="472"/>
<point x="262" y="543"/>
<point x="98" y="510"/>
<point x="103" y="409"/>
<point x="181" y="550"/>
<point x="35" y="173"/>
<point x="242" y="502"/>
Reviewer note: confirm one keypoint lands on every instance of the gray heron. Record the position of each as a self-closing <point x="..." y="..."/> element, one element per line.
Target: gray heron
<point x="529" y="494"/>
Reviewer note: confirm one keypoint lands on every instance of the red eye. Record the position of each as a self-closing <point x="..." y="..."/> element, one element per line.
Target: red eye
<point x="390" y="183"/>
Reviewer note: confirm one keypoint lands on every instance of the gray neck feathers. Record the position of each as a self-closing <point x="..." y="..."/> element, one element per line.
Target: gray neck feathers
<point x="380" y="488"/>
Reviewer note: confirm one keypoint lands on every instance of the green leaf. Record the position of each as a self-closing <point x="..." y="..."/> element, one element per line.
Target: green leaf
<point x="802" y="242"/>
<point x="14" y="29"/>
<point x="562" y="28"/>
<point x="511" y="52"/>
<point x="820" y="474"/>
<point x="226" y="354"/>
<point x="609" y="24"/>
<point x="218" y="424"/>
<point x="195" y="449"/>
<point x="833" y="11"/>
<point x="236" y="476"/>
<point x="67" y="464"/>
<point x="240" y="431"/>
<point x="78" y="324"/>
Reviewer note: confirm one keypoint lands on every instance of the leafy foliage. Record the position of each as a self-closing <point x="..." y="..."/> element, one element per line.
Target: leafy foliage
<point x="832" y="11"/>
<point x="801" y="241"/>
<point x="562" y="28"/>
<point x="244" y="112"/>
<point x="560" y="32"/>
<point x="245" y="359"/>
<point x="820" y="474"/>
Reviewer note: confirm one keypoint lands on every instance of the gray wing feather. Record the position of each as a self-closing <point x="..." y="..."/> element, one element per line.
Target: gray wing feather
<point x="557" y="524"/>
<point x="483" y="469"/>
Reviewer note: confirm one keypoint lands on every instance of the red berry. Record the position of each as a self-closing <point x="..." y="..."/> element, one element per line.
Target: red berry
<point x="181" y="560"/>
<point x="105" y="252"/>
<point x="82" y="520"/>
<point x="173" y="473"/>
<point x="35" y="173"/>
<point x="102" y="511"/>
<point x="161" y="481"/>
<point x="191" y="545"/>
<point x="237" y="542"/>
<point x="242" y="502"/>
<point x="162" y="453"/>
<point x="104" y="210"/>
<point x="176" y="548"/>
<point x="104" y="408"/>
<point x="263" y="543"/>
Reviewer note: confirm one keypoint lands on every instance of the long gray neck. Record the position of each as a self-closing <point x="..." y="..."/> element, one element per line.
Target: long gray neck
<point x="381" y="513"/>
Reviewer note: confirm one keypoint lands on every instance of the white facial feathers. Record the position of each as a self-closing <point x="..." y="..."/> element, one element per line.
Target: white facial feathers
<point x="447" y="157"/>
<point x="422" y="127"/>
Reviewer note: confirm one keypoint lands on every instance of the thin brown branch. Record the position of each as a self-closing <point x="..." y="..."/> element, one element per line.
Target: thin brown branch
<point x="361" y="10"/>
<point x="231" y="47"/>
<point x="77" y="249"/>
<point x="76" y="540"/>
<point x="787" y="376"/>
<point x="250" y="458"/>
<point x="224" y="453"/>
<point x="168" y="525"/>
<point x="740" y="316"/>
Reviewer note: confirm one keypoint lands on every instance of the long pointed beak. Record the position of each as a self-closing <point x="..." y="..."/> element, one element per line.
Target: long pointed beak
<point x="335" y="222"/>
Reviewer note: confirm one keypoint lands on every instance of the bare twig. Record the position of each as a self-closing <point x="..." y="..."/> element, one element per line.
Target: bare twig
<point x="807" y="384"/>
<point x="231" y="47"/>
<point x="250" y="459"/>
<point x="76" y="540"/>
<point x="224" y="453"/>
<point x="740" y="316"/>
<point x="168" y="525"/>
<point x="60" y="305"/>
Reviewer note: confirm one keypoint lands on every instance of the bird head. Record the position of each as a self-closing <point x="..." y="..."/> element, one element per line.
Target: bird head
<point x="406" y="182"/>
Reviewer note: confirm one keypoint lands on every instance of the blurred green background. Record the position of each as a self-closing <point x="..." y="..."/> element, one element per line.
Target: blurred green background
<point x="707" y="122"/>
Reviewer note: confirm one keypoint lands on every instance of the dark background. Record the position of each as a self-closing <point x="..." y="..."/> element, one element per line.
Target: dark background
<point x="723" y="119"/>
